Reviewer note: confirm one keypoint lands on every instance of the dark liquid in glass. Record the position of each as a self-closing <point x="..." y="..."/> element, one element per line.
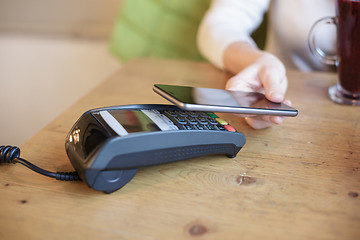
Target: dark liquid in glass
<point x="348" y="13"/>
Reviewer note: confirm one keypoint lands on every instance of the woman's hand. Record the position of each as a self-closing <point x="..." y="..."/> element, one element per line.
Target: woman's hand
<point x="260" y="72"/>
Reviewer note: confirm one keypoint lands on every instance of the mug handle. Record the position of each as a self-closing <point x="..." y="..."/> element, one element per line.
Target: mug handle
<point x="315" y="50"/>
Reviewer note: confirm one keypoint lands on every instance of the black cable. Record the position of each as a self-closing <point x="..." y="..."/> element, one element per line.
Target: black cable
<point x="11" y="154"/>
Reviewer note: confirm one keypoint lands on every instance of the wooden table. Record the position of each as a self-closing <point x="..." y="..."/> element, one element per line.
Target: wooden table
<point x="300" y="180"/>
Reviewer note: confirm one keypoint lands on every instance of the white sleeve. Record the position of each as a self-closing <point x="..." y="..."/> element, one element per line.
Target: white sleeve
<point x="228" y="21"/>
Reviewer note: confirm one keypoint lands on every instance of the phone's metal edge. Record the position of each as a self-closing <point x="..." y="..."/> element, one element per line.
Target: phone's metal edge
<point x="169" y="97"/>
<point x="225" y="109"/>
<point x="239" y="110"/>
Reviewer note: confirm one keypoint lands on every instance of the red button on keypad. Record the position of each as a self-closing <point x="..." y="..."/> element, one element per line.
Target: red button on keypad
<point x="229" y="128"/>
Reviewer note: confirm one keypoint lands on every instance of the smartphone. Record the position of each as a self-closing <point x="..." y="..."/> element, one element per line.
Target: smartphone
<point x="220" y="100"/>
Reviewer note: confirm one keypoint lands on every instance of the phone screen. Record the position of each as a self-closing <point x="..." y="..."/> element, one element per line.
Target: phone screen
<point x="220" y="100"/>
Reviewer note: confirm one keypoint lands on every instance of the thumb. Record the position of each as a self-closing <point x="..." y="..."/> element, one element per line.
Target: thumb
<point x="275" y="83"/>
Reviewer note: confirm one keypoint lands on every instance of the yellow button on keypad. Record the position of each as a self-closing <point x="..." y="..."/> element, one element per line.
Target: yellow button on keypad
<point x="222" y="121"/>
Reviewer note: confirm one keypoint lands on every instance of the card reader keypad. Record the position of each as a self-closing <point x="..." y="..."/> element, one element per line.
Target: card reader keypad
<point x="187" y="120"/>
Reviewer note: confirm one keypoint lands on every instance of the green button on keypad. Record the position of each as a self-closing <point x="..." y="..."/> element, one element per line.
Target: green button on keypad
<point x="213" y="115"/>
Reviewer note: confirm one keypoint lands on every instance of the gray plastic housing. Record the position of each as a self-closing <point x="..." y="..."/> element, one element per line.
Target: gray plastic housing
<point x="107" y="161"/>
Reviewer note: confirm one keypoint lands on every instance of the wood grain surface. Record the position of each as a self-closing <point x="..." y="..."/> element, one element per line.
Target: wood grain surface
<point x="300" y="180"/>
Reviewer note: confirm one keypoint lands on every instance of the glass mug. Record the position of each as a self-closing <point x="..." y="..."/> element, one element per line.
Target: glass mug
<point x="347" y="60"/>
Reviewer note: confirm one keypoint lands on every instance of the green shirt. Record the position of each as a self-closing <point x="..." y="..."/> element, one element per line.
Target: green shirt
<point x="158" y="28"/>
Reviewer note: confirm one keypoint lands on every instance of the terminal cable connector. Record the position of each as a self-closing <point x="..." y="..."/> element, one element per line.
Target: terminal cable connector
<point x="11" y="154"/>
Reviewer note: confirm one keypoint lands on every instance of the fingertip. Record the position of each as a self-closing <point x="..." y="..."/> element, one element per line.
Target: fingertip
<point x="277" y="120"/>
<point x="275" y="96"/>
<point x="258" y="124"/>
<point x="288" y="102"/>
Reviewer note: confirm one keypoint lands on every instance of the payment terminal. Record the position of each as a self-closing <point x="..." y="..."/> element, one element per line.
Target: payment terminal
<point x="108" y="145"/>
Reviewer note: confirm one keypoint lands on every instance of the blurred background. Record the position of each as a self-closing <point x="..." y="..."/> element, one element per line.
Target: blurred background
<point x="52" y="52"/>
